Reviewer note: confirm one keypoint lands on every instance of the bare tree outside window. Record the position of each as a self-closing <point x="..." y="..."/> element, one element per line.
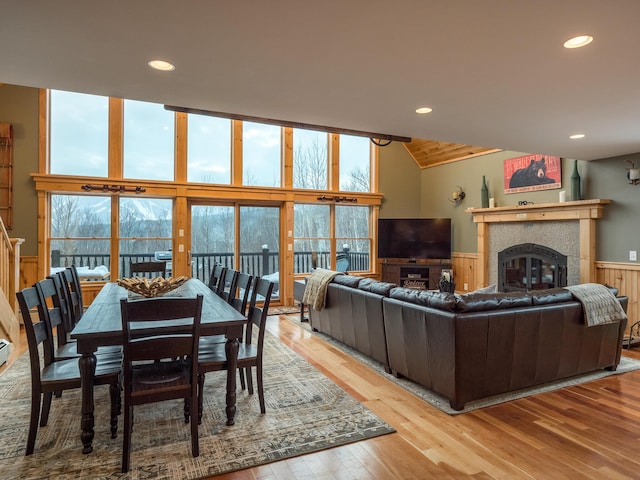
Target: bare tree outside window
<point x="310" y="159"/>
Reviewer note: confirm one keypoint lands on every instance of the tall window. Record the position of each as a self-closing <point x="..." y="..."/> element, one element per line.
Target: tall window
<point x="208" y="149"/>
<point x="312" y="241"/>
<point x="310" y="159"/>
<point x="79" y="134"/>
<point x="353" y="239"/>
<point x="90" y="224"/>
<point x="148" y="141"/>
<point x="80" y="231"/>
<point x="145" y="229"/>
<point x="261" y="153"/>
<point x="212" y="238"/>
<point x="355" y="164"/>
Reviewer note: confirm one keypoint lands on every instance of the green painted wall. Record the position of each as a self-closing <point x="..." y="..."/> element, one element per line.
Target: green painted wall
<point x="19" y="106"/>
<point x="400" y="182"/>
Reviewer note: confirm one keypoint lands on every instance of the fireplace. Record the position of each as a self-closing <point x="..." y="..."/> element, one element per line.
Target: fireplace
<point x="529" y="266"/>
<point x="569" y="227"/>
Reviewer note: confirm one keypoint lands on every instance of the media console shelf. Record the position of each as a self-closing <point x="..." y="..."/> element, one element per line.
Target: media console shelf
<point x="422" y="276"/>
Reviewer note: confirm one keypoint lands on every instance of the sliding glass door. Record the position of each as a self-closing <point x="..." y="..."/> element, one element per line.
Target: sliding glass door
<point x="244" y="237"/>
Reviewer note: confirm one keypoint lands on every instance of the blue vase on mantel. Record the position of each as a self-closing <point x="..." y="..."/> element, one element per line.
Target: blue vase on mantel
<point x="484" y="193"/>
<point x="576" y="193"/>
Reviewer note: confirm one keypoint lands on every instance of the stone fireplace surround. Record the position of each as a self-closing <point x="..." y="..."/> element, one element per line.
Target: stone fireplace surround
<point x="568" y="227"/>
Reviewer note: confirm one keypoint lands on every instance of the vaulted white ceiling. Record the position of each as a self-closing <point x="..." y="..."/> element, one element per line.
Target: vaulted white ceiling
<point x="494" y="71"/>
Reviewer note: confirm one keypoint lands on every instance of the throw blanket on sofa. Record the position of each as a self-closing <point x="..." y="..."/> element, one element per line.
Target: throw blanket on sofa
<point x="599" y="304"/>
<point x="315" y="293"/>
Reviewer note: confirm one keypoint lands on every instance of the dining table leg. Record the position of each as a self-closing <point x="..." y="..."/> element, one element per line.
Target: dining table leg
<point x="87" y="365"/>
<point x="231" y="349"/>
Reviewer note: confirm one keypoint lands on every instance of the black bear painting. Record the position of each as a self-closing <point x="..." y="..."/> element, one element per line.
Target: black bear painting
<point x="533" y="172"/>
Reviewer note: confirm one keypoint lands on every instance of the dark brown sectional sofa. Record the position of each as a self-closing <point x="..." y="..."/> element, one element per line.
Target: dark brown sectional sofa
<point x="468" y="347"/>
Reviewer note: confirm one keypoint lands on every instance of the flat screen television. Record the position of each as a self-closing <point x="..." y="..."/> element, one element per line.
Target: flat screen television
<point x="414" y="238"/>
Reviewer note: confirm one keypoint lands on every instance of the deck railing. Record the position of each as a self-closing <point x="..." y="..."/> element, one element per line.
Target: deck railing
<point x="260" y="264"/>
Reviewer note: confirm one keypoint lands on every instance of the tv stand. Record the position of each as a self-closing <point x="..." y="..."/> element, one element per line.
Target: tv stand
<point x="423" y="275"/>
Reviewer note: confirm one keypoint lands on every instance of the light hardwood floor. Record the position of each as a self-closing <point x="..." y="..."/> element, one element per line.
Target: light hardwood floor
<point x="590" y="431"/>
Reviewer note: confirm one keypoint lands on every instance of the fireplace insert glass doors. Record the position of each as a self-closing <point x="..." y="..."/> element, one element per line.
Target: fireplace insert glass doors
<point x="528" y="266"/>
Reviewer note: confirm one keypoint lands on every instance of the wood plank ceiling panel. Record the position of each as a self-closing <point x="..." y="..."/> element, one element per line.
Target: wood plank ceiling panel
<point x="429" y="153"/>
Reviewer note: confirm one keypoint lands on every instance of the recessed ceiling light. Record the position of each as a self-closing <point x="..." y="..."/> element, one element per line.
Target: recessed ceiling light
<point x="577" y="136"/>
<point x="162" y="65"/>
<point x="424" y="110"/>
<point x="579" y="41"/>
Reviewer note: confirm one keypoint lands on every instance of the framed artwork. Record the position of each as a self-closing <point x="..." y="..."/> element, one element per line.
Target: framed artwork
<point x="531" y="173"/>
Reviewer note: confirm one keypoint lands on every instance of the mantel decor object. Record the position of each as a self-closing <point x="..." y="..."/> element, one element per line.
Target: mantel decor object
<point x="484" y="193"/>
<point x="576" y="193"/>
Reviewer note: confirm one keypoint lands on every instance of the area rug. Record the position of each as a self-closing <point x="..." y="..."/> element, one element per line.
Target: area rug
<point x="306" y="412"/>
<point x="284" y="310"/>
<point x="626" y="365"/>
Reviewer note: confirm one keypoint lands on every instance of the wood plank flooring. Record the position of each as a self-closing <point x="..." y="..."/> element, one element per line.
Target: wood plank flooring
<point x="590" y="431"/>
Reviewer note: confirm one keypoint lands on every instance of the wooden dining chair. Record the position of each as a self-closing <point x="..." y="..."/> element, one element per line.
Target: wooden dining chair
<point x="227" y="284"/>
<point x="160" y="365"/>
<point x="238" y="301"/>
<point x="51" y="375"/>
<point x="53" y="306"/>
<point x="148" y="269"/>
<point x="244" y="286"/>
<point x="214" y="278"/>
<point x="249" y="354"/>
<point x="71" y="312"/>
<point x="75" y="288"/>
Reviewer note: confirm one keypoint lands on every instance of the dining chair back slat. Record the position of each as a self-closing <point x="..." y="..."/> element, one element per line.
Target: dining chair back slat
<point x="148" y="269"/>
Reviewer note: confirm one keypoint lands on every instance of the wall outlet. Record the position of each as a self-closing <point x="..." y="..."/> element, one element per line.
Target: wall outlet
<point x="633" y="255"/>
<point x="466" y="286"/>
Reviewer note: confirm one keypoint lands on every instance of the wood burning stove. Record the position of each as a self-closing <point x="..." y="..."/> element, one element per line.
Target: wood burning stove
<point x="529" y="266"/>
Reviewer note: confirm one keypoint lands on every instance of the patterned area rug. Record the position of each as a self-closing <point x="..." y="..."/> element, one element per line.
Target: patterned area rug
<point x="626" y="365"/>
<point x="306" y="412"/>
<point x="284" y="310"/>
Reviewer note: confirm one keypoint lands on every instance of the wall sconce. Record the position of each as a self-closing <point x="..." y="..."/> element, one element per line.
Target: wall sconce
<point x="633" y="173"/>
<point x="457" y="196"/>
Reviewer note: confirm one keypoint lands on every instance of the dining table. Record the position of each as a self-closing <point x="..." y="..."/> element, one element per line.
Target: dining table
<point x="101" y="325"/>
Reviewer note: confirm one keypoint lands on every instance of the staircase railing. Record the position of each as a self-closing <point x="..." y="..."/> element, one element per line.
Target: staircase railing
<point x="9" y="284"/>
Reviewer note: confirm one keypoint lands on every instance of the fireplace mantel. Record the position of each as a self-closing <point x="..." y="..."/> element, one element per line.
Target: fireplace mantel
<point x="586" y="212"/>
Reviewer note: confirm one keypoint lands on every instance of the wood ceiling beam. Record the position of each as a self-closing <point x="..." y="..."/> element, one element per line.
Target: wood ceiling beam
<point x="286" y="123"/>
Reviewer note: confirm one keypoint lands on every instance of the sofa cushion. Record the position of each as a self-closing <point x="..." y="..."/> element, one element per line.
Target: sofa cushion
<point x="480" y="302"/>
<point x="426" y="298"/>
<point x="550" y="295"/>
<point x="347" y="280"/>
<point x="374" y="286"/>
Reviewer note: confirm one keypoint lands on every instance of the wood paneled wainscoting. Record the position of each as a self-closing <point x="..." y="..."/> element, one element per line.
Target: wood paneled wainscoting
<point x="626" y="278"/>
<point x="464" y="271"/>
